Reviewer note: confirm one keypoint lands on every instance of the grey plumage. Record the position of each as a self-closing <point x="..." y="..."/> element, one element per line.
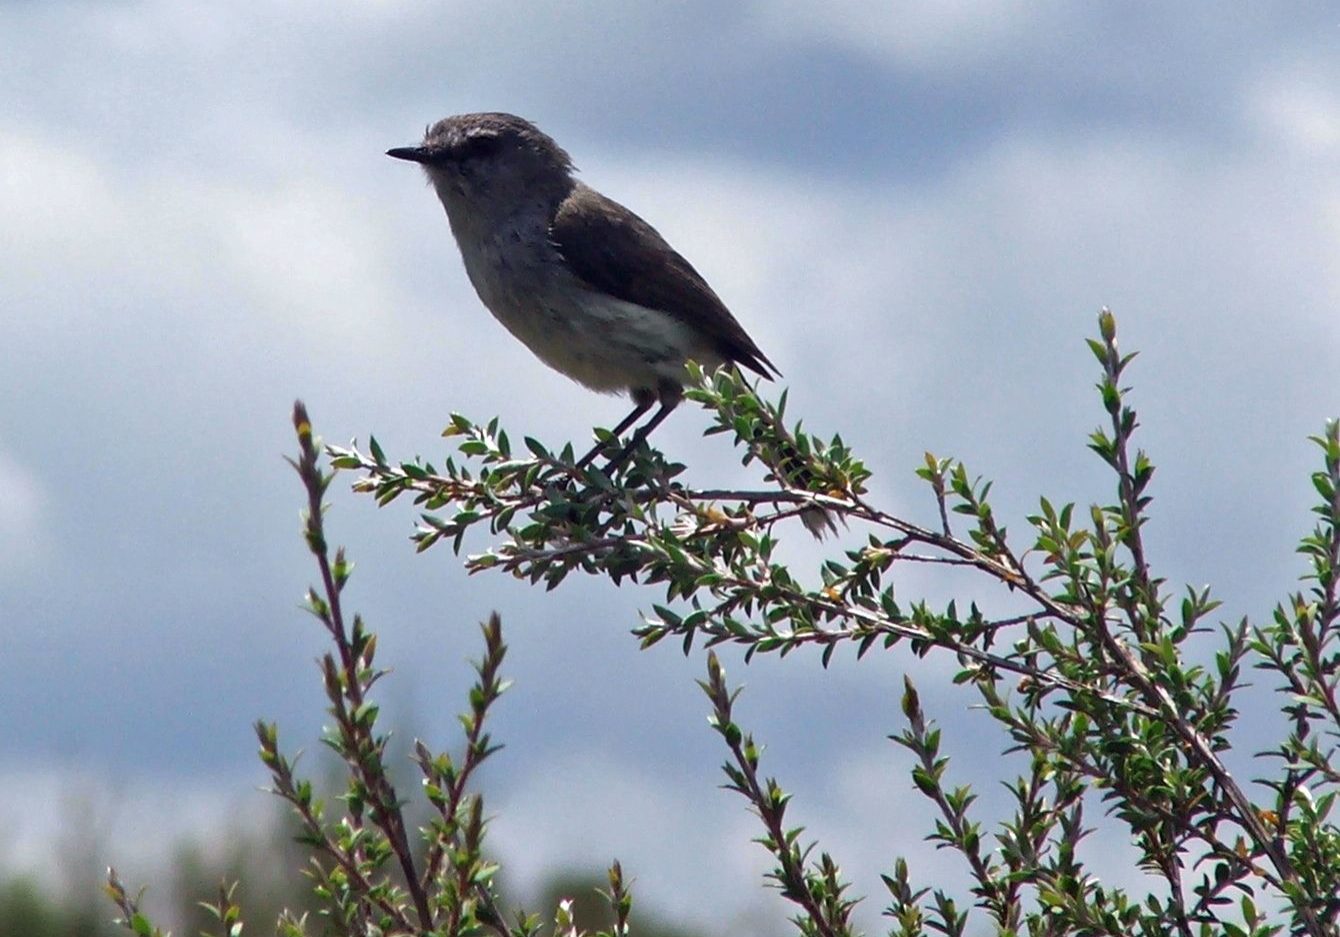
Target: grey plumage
<point x="567" y="269"/>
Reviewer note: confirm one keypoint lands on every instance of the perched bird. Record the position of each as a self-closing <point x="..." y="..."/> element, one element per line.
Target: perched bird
<point x="589" y="287"/>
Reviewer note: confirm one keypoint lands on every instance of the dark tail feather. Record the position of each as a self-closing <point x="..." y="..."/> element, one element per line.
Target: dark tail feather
<point x="791" y="468"/>
<point x="818" y="521"/>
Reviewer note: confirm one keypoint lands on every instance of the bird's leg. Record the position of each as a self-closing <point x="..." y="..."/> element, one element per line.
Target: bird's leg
<point x="643" y="401"/>
<point x="670" y="398"/>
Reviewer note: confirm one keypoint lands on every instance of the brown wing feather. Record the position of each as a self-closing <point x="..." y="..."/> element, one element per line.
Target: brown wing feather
<point x="618" y="253"/>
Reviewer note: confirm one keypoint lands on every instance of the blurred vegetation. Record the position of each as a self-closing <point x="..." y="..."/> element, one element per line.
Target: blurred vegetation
<point x="265" y="866"/>
<point x="26" y="908"/>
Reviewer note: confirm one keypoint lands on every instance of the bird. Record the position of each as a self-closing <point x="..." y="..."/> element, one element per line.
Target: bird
<point x="593" y="290"/>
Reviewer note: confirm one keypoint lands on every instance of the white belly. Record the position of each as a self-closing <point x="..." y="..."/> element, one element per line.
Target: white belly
<point x="605" y="343"/>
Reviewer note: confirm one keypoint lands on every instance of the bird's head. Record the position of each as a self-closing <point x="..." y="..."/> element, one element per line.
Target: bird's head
<point x="497" y="157"/>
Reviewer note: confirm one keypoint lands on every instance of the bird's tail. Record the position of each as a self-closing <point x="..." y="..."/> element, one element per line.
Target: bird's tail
<point x="796" y="467"/>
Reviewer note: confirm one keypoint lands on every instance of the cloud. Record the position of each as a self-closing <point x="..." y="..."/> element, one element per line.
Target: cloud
<point x="23" y="518"/>
<point x="1295" y="107"/>
<point x="943" y="38"/>
<point x="691" y="849"/>
<point x="64" y="822"/>
<point x="690" y="845"/>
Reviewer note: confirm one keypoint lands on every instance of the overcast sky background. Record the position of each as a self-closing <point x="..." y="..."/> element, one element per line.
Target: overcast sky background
<point x="915" y="209"/>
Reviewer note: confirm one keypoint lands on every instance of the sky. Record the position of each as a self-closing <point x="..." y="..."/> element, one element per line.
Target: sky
<point x="915" y="209"/>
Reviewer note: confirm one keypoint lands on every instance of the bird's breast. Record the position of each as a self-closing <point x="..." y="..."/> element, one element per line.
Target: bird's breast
<point x="601" y="341"/>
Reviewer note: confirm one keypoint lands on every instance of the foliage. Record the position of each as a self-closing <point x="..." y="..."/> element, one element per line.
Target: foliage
<point x="1098" y="683"/>
<point x="369" y="876"/>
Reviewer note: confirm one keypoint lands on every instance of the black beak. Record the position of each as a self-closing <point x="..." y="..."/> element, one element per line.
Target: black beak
<point x="415" y="154"/>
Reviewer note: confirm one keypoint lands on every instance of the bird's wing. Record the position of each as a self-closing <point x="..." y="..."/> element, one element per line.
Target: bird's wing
<point x="618" y="253"/>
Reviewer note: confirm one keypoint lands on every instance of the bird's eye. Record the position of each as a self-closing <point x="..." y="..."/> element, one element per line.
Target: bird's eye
<point x="480" y="146"/>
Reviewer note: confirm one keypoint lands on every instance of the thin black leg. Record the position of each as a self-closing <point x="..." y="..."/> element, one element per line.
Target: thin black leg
<point x="618" y="431"/>
<point x="643" y="432"/>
